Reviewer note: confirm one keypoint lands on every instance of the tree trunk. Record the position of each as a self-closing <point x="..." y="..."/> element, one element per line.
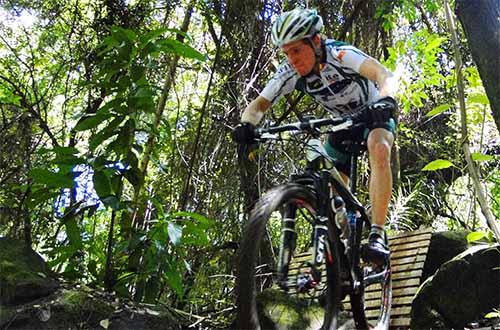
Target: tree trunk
<point x="473" y="171"/>
<point x="162" y="101"/>
<point x="481" y="23"/>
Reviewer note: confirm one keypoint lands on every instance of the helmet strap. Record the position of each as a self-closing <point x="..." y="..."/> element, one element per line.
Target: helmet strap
<point x="318" y="52"/>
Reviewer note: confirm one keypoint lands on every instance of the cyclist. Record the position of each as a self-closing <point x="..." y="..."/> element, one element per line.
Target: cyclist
<point x="341" y="78"/>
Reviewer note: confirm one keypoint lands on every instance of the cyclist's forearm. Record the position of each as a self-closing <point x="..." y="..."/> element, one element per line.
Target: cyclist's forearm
<point x="255" y="111"/>
<point x="386" y="81"/>
<point x="388" y="84"/>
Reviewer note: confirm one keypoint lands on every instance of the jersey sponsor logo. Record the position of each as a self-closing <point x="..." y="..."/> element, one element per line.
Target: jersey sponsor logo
<point x="332" y="78"/>
<point x="340" y="55"/>
<point x="314" y="85"/>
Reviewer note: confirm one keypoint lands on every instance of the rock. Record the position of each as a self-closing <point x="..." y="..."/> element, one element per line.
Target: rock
<point x="461" y="291"/>
<point x="81" y="307"/>
<point x="444" y="246"/>
<point x="277" y="310"/>
<point x="24" y="275"/>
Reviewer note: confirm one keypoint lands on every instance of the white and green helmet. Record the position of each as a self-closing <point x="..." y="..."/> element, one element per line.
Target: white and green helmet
<point x="295" y="25"/>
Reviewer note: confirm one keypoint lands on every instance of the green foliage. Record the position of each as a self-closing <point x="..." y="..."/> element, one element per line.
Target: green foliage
<point x="419" y="54"/>
<point x="165" y="255"/>
<point x="437" y="164"/>
<point x="439" y="109"/>
<point x="477" y="236"/>
<point x="479" y="157"/>
<point x="90" y="77"/>
<point x="494" y="314"/>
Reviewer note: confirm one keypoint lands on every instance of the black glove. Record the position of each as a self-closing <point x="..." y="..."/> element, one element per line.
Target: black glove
<point x="244" y="133"/>
<point x="381" y="111"/>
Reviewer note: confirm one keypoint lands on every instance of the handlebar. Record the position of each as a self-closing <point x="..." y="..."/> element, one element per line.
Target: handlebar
<point x="311" y="124"/>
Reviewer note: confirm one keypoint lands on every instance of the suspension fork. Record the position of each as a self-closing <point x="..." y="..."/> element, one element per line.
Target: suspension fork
<point x="288" y="243"/>
<point x="321" y="244"/>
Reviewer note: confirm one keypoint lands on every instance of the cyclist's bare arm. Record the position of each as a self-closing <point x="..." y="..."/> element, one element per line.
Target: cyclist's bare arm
<point x="386" y="81"/>
<point x="255" y="110"/>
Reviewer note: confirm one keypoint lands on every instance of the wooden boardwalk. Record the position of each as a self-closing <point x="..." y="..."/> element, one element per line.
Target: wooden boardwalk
<point x="408" y="254"/>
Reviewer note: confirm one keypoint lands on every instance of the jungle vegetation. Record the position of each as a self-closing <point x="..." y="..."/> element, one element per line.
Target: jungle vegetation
<point x="116" y="158"/>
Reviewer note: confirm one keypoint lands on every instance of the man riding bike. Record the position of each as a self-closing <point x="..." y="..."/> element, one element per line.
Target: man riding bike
<point x="341" y="78"/>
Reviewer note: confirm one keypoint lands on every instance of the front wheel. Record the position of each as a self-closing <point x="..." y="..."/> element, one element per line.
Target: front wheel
<point x="371" y="307"/>
<point x="282" y="202"/>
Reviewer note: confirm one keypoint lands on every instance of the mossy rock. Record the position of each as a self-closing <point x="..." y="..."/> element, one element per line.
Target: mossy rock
<point x="85" y="308"/>
<point x="277" y="310"/>
<point x="461" y="291"/>
<point x="24" y="275"/>
<point x="444" y="246"/>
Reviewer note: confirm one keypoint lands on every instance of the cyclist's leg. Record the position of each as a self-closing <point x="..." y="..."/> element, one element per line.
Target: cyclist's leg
<point x="379" y="141"/>
<point x="335" y="149"/>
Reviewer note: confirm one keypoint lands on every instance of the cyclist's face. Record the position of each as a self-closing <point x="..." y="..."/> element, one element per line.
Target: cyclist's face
<point x="300" y="55"/>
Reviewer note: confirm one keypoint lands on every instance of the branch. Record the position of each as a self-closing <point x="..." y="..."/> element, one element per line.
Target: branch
<point x="348" y="23"/>
<point x="198" y="131"/>
<point x="24" y="101"/>
<point x="424" y="18"/>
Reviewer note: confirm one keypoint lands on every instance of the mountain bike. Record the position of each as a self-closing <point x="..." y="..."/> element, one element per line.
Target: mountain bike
<point x="319" y="199"/>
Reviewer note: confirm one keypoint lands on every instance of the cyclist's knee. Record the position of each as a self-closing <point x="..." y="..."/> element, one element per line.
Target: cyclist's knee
<point x="380" y="152"/>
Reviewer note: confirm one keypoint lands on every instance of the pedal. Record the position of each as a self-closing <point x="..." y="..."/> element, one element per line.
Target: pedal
<point x="372" y="257"/>
<point x="305" y="282"/>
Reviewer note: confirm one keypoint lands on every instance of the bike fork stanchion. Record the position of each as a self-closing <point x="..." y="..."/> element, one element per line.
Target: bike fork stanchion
<point x="287" y="246"/>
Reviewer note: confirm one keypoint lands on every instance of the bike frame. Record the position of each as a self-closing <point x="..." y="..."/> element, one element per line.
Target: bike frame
<point x="322" y="181"/>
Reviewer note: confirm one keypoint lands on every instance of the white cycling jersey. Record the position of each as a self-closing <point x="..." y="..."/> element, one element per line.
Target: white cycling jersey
<point x="339" y="87"/>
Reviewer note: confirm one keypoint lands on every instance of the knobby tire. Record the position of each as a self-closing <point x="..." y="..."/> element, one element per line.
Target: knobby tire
<point x="252" y="240"/>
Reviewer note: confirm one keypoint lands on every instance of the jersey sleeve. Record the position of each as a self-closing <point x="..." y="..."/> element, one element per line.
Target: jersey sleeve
<point x="349" y="57"/>
<point x="282" y="83"/>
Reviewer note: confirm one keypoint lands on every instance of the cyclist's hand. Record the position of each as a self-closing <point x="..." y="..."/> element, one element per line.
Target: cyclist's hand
<point x="381" y="111"/>
<point x="244" y="133"/>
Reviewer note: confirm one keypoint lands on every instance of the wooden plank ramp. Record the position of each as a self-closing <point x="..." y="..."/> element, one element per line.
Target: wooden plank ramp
<point x="408" y="254"/>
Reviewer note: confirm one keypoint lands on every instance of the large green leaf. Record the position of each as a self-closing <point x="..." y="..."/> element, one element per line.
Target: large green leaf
<point x="73" y="232"/>
<point x="479" y="157"/>
<point x="174" y="280"/>
<point x="438" y="164"/>
<point x="65" y="150"/>
<point x="123" y="35"/>
<point x="478" y="98"/>
<point x="42" y="195"/>
<point x="196" y="216"/>
<point x="439" y="109"/>
<point x="65" y="159"/>
<point x="102" y="184"/>
<point x="174" y="233"/>
<point x="91" y="121"/>
<point x="105" y="133"/>
<point x="144" y="39"/>
<point x="177" y="47"/>
<point x="475" y="236"/>
<point x="111" y="201"/>
<point x="56" y="180"/>
<point x="133" y="176"/>
<point x="434" y="42"/>
<point x="115" y="103"/>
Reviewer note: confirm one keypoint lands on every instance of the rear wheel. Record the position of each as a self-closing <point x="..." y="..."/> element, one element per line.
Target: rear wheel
<point x="283" y="202"/>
